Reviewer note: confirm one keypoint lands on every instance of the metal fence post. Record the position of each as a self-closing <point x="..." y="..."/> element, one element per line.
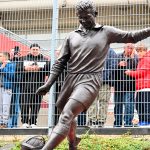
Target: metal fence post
<point x="51" y="109"/>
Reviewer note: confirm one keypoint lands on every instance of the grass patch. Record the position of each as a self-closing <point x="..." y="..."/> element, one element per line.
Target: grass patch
<point x="2" y="143"/>
<point x="95" y="142"/>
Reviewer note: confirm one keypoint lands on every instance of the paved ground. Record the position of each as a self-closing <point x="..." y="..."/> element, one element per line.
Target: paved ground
<point x="7" y="147"/>
<point x="9" y="140"/>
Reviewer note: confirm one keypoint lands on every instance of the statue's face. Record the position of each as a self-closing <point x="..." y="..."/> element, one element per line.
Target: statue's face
<point x="86" y="18"/>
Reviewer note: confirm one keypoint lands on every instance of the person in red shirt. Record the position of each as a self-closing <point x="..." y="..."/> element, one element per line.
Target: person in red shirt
<point x="142" y="77"/>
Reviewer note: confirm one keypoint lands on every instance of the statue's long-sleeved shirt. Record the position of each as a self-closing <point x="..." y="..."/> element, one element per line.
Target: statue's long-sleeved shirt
<point x="85" y="52"/>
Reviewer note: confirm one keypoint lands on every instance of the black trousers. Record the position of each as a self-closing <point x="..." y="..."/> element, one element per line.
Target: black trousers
<point x="30" y="104"/>
<point x="143" y="106"/>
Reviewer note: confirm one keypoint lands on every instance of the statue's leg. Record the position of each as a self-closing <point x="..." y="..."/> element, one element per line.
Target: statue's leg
<point x="61" y="130"/>
<point x="73" y="140"/>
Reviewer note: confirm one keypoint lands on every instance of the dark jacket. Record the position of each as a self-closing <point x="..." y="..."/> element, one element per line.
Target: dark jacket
<point x="121" y="81"/>
<point x="31" y="81"/>
<point x="109" y="66"/>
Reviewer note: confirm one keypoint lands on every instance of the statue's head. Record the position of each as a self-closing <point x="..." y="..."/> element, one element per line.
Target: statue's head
<point x="84" y="5"/>
<point x="86" y="13"/>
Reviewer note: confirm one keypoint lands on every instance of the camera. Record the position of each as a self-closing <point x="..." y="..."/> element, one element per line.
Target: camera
<point x="16" y="50"/>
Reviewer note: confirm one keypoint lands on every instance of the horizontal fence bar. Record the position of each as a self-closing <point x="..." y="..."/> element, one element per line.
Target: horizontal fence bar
<point x="80" y="131"/>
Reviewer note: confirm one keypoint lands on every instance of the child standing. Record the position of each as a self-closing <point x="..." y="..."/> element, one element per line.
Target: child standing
<point x="7" y="70"/>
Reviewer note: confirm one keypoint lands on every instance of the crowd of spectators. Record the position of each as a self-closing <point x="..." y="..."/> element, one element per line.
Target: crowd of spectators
<point x="20" y="78"/>
<point x="129" y="76"/>
<point x="127" y="72"/>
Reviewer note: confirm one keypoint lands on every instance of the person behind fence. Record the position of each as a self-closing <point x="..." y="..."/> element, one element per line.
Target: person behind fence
<point x="85" y="50"/>
<point x="98" y="110"/>
<point x="15" y="107"/>
<point x="142" y="77"/>
<point x="34" y="71"/>
<point x="124" y="87"/>
<point x="7" y="70"/>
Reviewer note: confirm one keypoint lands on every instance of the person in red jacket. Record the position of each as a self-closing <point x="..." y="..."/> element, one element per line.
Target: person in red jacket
<point x="142" y="77"/>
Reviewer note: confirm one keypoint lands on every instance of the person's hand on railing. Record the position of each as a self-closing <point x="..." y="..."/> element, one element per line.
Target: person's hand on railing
<point x="32" y="68"/>
<point x="3" y="64"/>
<point x="127" y="72"/>
<point x="122" y="63"/>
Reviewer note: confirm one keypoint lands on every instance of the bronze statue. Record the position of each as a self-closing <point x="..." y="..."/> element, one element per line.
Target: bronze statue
<point x="85" y="51"/>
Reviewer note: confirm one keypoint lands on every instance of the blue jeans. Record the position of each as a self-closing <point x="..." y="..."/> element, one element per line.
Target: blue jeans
<point x="15" y="108"/>
<point x="125" y="99"/>
<point x="81" y="119"/>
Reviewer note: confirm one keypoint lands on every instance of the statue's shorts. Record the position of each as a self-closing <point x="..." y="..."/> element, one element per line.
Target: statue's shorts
<point x="82" y="88"/>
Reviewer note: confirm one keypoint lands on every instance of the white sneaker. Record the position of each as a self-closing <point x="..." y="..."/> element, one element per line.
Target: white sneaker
<point x="34" y="126"/>
<point x="25" y="125"/>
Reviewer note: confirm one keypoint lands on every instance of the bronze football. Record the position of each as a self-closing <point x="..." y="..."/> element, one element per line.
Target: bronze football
<point x="33" y="143"/>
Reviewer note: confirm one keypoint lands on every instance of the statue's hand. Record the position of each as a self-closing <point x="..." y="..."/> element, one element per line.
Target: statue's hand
<point x="42" y="90"/>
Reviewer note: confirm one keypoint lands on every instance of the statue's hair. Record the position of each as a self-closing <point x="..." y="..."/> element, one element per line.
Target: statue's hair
<point x="83" y="5"/>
